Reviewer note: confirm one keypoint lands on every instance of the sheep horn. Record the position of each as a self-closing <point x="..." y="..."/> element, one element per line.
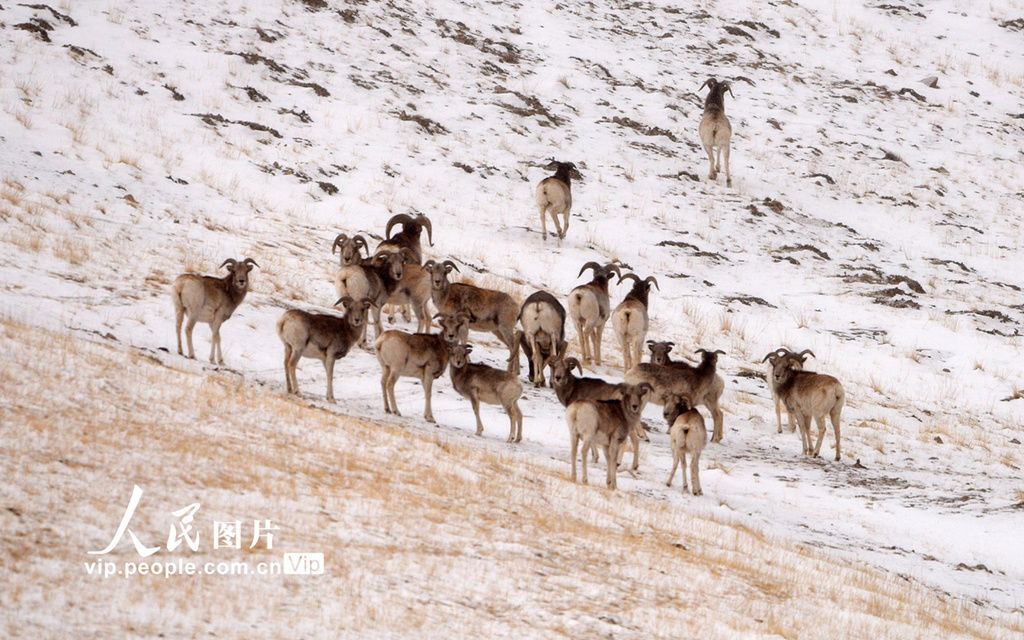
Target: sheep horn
<point x="429" y="264"/>
<point x="611" y="266"/>
<point x="430" y="229"/>
<point x="654" y="281"/>
<point x="401" y="218"/>
<point x="345" y="300"/>
<point x="229" y="261"/>
<point x="338" y="240"/>
<point x="801" y="354"/>
<point x="250" y="261"/>
<point x="590" y="265"/>
<point x="709" y="82"/>
<point x="629" y="275"/>
<point x="360" y="241"/>
<point x="728" y="88"/>
<point x="449" y="263"/>
<point x="573" y="362"/>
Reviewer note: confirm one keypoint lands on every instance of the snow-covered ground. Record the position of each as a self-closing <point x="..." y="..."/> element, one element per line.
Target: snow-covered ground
<point x="873" y="219"/>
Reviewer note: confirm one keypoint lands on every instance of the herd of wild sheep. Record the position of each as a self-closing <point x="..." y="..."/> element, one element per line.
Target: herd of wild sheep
<point x="600" y="414"/>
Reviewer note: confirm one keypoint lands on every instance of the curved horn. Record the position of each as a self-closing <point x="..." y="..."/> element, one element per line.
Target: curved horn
<point x="611" y="266"/>
<point x="573" y="362"/>
<point x="429" y="264"/>
<point x="770" y="354"/>
<point x="438" y="315"/>
<point x="430" y="229"/>
<point x="345" y="300"/>
<point x="252" y="262"/>
<point x="708" y="82"/>
<point x="720" y="351"/>
<point x="338" y="241"/>
<point x="590" y="265"/>
<point x="728" y="87"/>
<point x="449" y="263"/>
<point x="360" y="241"/>
<point x="652" y="280"/>
<point x="229" y="261"/>
<point x="651" y="343"/>
<point x="629" y="275"/>
<point x="801" y="354"/>
<point x="401" y="218"/>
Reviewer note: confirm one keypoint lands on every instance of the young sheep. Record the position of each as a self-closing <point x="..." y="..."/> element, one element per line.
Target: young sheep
<point x="630" y="320"/>
<point x="408" y="237"/>
<point x="488" y="310"/>
<point x="810" y="396"/>
<point x="715" y="130"/>
<point x="688" y="437"/>
<point x="589" y="308"/>
<point x="701" y="384"/>
<point x="779" y="358"/>
<point x="326" y="338"/>
<point x="211" y="300"/>
<point x="480" y="383"/>
<point x="554" y="196"/>
<point x="605" y="424"/>
<point x="350" y="248"/>
<point x="376" y="279"/>
<point x="412" y="355"/>
<point x="543" y="336"/>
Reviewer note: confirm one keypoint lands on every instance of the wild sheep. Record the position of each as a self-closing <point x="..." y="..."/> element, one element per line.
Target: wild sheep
<point x="413" y="355"/>
<point x="715" y="130"/>
<point x="543" y="336"/>
<point x="809" y="395"/>
<point x="376" y="279"/>
<point x="568" y="389"/>
<point x="775" y="359"/>
<point x="554" y="196"/>
<point x="480" y="383"/>
<point x="605" y="424"/>
<point x="488" y="310"/>
<point x="408" y="237"/>
<point x="701" y="384"/>
<point x="413" y="290"/>
<point x="688" y="437"/>
<point x="350" y="248"/>
<point x="630" y="319"/>
<point x="211" y="300"/>
<point x="326" y="338"/>
<point x="589" y="308"/>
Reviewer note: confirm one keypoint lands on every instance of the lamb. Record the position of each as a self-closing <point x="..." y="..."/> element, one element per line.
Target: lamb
<point x="414" y="355"/>
<point x="589" y="308"/>
<point x="211" y="300"/>
<point x="701" y="384"/>
<point x="688" y="437"/>
<point x="408" y="237"/>
<point x="605" y="424"/>
<point x="778" y="358"/>
<point x="630" y="320"/>
<point x="324" y="337"/>
<point x="480" y="383"/>
<point x="554" y="196"/>
<point x="715" y="130"/>
<point x="809" y="395"/>
<point x="375" y="279"/>
<point x="543" y="336"/>
<point x="488" y="310"/>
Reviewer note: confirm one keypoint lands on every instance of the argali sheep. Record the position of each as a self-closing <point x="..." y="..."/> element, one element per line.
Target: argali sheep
<point x="211" y="300"/>
<point x="375" y="279"/>
<point x="423" y="356"/>
<point x="481" y="383"/>
<point x="715" y="130"/>
<point x="779" y="358"/>
<point x="350" y="248"/>
<point x="810" y="396"/>
<point x="605" y="424"/>
<point x="543" y="336"/>
<point x="324" y="337"/>
<point x="554" y="196"/>
<point x="589" y="308"/>
<point x="701" y="384"/>
<point x="687" y="436"/>
<point x="630" y="319"/>
<point x="408" y="237"/>
<point x="488" y="310"/>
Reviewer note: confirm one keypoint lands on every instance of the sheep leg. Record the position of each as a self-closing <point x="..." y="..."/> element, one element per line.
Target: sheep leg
<point x="611" y="454"/>
<point x="835" y="427"/>
<point x="215" y="344"/>
<point x="778" y="412"/>
<point x="804" y="422"/>
<point x="716" y="416"/>
<point x="675" y="464"/>
<point x="189" y="326"/>
<point x="179" y="315"/>
<point x="695" y="474"/>
<point x="476" y="412"/>
<point x="728" y="176"/>
<point x="385" y="377"/>
<point x="565" y="223"/>
<point x="329" y="368"/>
<point x="544" y="222"/>
<point x="711" y="159"/>
<point x="428" y="384"/>
<point x="627" y="353"/>
<point x="598" y="332"/>
<point x="378" y="326"/>
<point x="558" y="227"/>
<point x="421" y="317"/>
<point x="682" y="455"/>
<point x="581" y="333"/>
<point x="583" y="455"/>
<point x="287" y="372"/>
<point x="515" y="415"/>
<point x="821" y="434"/>
<point x="573" y="444"/>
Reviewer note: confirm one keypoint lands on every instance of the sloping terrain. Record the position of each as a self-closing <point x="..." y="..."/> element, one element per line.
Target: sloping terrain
<point x="873" y="219"/>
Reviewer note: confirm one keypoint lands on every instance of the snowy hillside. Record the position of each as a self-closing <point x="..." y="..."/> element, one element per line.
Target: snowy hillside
<point x="872" y="218"/>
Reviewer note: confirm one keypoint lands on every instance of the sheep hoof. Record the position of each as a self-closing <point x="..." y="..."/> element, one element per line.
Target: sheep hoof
<point x="698" y="493"/>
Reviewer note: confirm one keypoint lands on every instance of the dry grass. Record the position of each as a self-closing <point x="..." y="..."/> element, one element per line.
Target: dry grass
<point x="482" y="544"/>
